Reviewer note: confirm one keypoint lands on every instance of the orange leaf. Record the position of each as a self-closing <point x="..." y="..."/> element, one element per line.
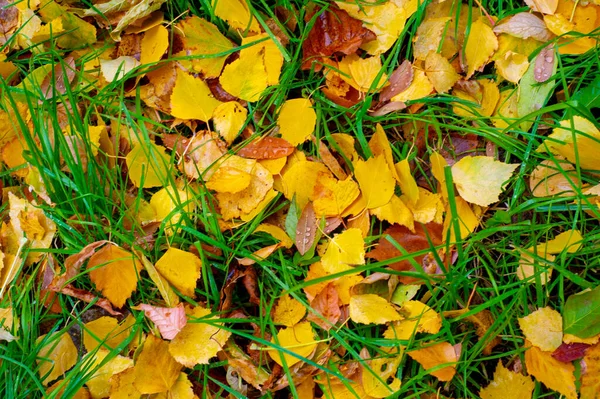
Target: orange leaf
<point x="436" y="355"/>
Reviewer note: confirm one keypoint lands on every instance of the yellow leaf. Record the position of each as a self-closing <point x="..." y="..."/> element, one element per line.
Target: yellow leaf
<point x="507" y="384"/>
<point x="276" y="232"/>
<point x="543" y="328"/>
<point x="380" y="145"/>
<point x="300" y="179"/>
<point x="345" y="145"/>
<point x="288" y="311"/>
<point x="118" y="68"/>
<point x="429" y="36"/>
<point x="371" y="308"/>
<point x="395" y="212"/>
<point x="169" y="204"/>
<point x="233" y="175"/>
<point x="181" y="269"/>
<point x="122" y="385"/>
<point x="543" y="6"/>
<point x="192" y="99"/>
<point x="436" y="355"/>
<point x="581" y="142"/>
<point x="273" y="60"/>
<point x="234" y="205"/>
<point x="246" y="78"/>
<point x="481" y="45"/>
<point x="148" y="165"/>
<point x="418" y="317"/>
<point x="428" y="208"/>
<point x="362" y="72"/>
<point x="269" y="196"/>
<point x="420" y="87"/>
<point x="467" y="220"/>
<point x="237" y="14"/>
<point x="530" y="267"/>
<point x="228" y="119"/>
<point x="155" y="369"/>
<point x="115" y="272"/>
<point x="199" y="340"/>
<point x="375" y="180"/>
<point x="343" y="285"/>
<point x="440" y="72"/>
<point x="106" y="332"/>
<point x="590" y="379"/>
<point x="571" y="240"/>
<point x="181" y="390"/>
<point x="346" y="248"/>
<point x="314" y="272"/>
<point x="299" y="339"/>
<point x="512" y="66"/>
<point x="480" y="179"/>
<point x="99" y="382"/>
<point x="296" y="120"/>
<point x="331" y="196"/>
<point x="57" y="391"/>
<point x="154" y="44"/>
<point x="201" y="155"/>
<point x="57" y="356"/>
<point x="554" y="177"/>
<point x="375" y="378"/>
<point x="202" y="40"/>
<point x="554" y="374"/>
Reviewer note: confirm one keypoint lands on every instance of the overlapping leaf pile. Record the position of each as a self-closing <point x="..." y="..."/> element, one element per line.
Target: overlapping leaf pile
<point x="370" y="230"/>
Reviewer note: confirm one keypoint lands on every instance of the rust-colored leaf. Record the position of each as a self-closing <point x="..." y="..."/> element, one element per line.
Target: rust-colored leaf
<point x="411" y="241"/>
<point x="544" y="64"/>
<point x="334" y="31"/>
<point x="332" y="223"/>
<point x="567" y="353"/>
<point x="250" y="281"/>
<point x="73" y="265"/>
<point x="331" y="162"/>
<point x="399" y="81"/>
<point x="267" y="148"/>
<point x="306" y="229"/>
<point x="88" y="297"/>
<point x="248" y="277"/>
<point x="9" y="19"/>
<point x="326" y="308"/>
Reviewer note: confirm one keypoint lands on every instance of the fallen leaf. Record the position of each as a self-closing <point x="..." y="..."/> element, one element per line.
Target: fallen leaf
<point x="481" y="45"/>
<point x="56" y="356"/>
<point x="331" y="196"/>
<point x="440" y="72"/>
<point x="181" y="269"/>
<point x="524" y="25"/>
<point x="375" y="180"/>
<point x="418" y="317"/>
<point x="288" y="311"/>
<point x="155" y="369"/>
<point x="237" y="14"/>
<point x="372" y="309"/>
<point x="420" y="87"/>
<point x="106" y="332"/>
<point x="398" y="81"/>
<point x="568" y="353"/>
<point x="192" y="99"/>
<point x="299" y="181"/>
<point x="199" y="340"/>
<point x="344" y="249"/>
<point x="543" y="6"/>
<point x="325" y="308"/>
<point x="229" y="119"/>
<point x="590" y="381"/>
<point x="103" y="369"/>
<point x="379" y="379"/>
<point x="543" y="328"/>
<point x="246" y="78"/>
<point x="267" y="148"/>
<point x="148" y="165"/>
<point x="296" y="120"/>
<point x="436" y="355"/>
<point x="480" y="179"/>
<point x="115" y="272"/>
<point x="577" y="140"/>
<point x="182" y="389"/>
<point x="544" y="64"/>
<point x="395" y="212"/>
<point x="582" y="314"/>
<point x="554" y="177"/>
<point x="555" y="375"/>
<point x="298" y="339"/>
<point x="508" y="384"/>
<point x="168" y="320"/>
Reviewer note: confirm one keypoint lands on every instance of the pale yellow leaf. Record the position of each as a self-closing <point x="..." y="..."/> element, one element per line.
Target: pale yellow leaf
<point x="372" y="309"/>
<point x="440" y="72"/>
<point x="543" y="328"/>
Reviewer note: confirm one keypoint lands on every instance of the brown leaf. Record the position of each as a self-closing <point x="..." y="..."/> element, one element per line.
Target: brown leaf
<point x="544" y="64"/>
<point x="482" y="321"/>
<point x="306" y="229"/>
<point x="325" y="306"/>
<point x="88" y="297"/>
<point x="567" y="353"/>
<point x="524" y="25"/>
<point x="9" y="19"/>
<point x="411" y="242"/>
<point x="250" y="282"/>
<point x="332" y="223"/>
<point x="334" y="31"/>
<point x="267" y="148"/>
<point x="331" y="162"/>
<point x="58" y="79"/>
<point x="388" y="108"/>
<point x="219" y="92"/>
<point x="399" y="81"/>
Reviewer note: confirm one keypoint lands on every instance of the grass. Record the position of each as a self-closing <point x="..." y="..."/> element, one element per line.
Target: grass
<point x="94" y="203"/>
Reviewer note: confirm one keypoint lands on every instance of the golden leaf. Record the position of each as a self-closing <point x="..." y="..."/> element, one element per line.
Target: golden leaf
<point x="181" y="269"/>
<point x="554" y="374"/>
<point x="106" y="332"/>
<point x="395" y="212"/>
<point x="480" y="179"/>
<point x="372" y="309"/>
<point x="436" y="355"/>
<point x="273" y="60"/>
<point x="181" y="390"/>
<point x="507" y="384"/>
<point x="345" y="249"/>
<point x="429" y="36"/>
<point x="577" y="140"/>
<point x="467" y="220"/>
<point x="155" y="369"/>
<point x="246" y="78"/>
<point x="122" y="385"/>
<point x="420" y="87"/>
<point x="428" y="208"/>
<point x="298" y="339"/>
<point x="237" y="14"/>
<point x="56" y="356"/>
<point x="418" y="317"/>
<point x="154" y="44"/>
<point x="512" y="66"/>
<point x="99" y="382"/>
<point x="171" y="203"/>
<point x="331" y="196"/>
<point x="192" y="99"/>
<point x="481" y="45"/>
<point x="300" y="179"/>
<point x="440" y="72"/>
<point x="296" y="120"/>
<point x="543" y="328"/>
<point x="276" y="232"/>
<point x="288" y="311"/>
<point x="361" y="73"/>
<point x="375" y="378"/>
<point x="115" y="272"/>
<point x="233" y="175"/>
<point x="228" y="119"/>
<point x="590" y="379"/>
<point x="375" y="180"/>
<point x="380" y="145"/>
<point x="148" y="165"/>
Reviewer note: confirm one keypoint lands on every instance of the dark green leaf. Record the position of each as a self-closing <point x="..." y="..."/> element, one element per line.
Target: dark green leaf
<point x="582" y="314"/>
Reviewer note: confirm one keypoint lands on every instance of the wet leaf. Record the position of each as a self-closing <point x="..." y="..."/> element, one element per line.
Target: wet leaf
<point x="267" y="148"/>
<point x="398" y="81"/>
<point x="524" y="26"/>
<point x="567" y="353"/>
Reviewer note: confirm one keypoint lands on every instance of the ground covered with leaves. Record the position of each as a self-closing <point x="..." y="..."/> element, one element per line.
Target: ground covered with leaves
<point x="299" y="199"/>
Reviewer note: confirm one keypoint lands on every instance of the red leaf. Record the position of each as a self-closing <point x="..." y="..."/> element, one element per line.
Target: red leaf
<point x="306" y="229"/>
<point x="334" y="31"/>
<point x="267" y="148"/>
<point x="168" y="320"/>
<point x="566" y="353"/>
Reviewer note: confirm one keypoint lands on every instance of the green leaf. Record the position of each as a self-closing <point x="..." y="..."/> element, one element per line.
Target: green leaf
<point x="291" y="220"/>
<point x="589" y="96"/>
<point x="532" y="94"/>
<point x="581" y="316"/>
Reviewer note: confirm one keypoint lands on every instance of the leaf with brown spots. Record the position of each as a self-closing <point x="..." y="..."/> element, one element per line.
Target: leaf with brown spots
<point x="267" y="148"/>
<point x="334" y="31"/>
<point x="58" y="79"/>
<point x="306" y="229"/>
